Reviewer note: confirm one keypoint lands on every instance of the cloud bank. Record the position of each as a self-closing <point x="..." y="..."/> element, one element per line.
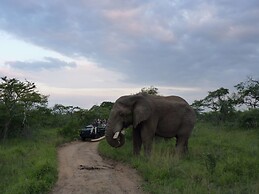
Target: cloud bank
<point x="48" y="63"/>
<point x="205" y="44"/>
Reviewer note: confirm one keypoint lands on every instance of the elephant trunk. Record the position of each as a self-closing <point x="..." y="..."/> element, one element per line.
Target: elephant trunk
<point x="115" y="139"/>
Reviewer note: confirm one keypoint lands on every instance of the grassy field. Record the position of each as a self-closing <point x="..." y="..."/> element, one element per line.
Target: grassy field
<point x="221" y="160"/>
<point x="29" y="165"/>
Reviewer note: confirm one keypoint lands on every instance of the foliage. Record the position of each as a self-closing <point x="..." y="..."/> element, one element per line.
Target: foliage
<point x="249" y="119"/>
<point x="70" y="130"/>
<point x="101" y="112"/>
<point x="17" y="99"/>
<point x="29" y="165"/>
<point x="220" y="160"/>
<point x="248" y="93"/>
<point x="198" y="106"/>
<point x="222" y="104"/>
<point x="62" y="115"/>
<point x="238" y="119"/>
<point x="218" y="101"/>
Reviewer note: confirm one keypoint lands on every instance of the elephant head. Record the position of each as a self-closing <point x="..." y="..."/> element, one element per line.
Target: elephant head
<point x="127" y="110"/>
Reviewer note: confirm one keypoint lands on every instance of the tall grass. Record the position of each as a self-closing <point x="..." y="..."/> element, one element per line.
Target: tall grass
<point x="29" y="165"/>
<point x="220" y="160"/>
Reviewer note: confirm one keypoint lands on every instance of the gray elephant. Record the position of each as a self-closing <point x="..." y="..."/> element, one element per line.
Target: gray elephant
<point x="150" y="115"/>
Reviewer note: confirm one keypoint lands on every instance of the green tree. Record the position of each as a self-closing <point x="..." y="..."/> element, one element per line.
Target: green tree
<point x="101" y="112"/>
<point x="248" y="93"/>
<point x="197" y="105"/>
<point x="17" y="99"/>
<point x="219" y="102"/>
<point x="62" y="115"/>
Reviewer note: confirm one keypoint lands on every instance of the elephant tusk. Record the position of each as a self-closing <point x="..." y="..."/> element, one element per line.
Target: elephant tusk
<point x="116" y="135"/>
<point x="99" y="139"/>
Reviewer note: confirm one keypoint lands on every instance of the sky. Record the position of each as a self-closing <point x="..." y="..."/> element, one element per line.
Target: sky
<point x="84" y="52"/>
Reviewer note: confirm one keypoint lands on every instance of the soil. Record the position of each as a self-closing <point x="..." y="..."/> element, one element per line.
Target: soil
<point x="83" y="170"/>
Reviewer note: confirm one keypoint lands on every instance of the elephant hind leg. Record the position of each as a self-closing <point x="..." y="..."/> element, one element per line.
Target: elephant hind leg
<point x="181" y="144"/>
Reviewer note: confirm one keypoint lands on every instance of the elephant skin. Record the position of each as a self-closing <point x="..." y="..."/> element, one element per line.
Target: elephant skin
<point x="150" y="115"/>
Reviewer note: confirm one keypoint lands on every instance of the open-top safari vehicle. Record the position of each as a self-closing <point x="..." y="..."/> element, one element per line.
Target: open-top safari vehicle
<point x="92" y="133"/>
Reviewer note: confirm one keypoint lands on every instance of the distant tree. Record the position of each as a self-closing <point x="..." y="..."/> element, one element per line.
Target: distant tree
<point x="59" y="109"/>
<point x="64" y="114"/>
<point x="17" y="99"/>
<point x="198" y="106"/>
<point x="41" y="117"/>
<point x="101" y="112"/>
<point x="151" y="90"/>
<point x="107" y="105"/>
<point x="248" y="93"/>
<point x="219" y="102"/>
<point x="80" y="115"/>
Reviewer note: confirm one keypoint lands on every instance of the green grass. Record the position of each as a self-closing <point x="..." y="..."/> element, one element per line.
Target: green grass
<point x="29" y="165"/>
<point x="220" y="160"/>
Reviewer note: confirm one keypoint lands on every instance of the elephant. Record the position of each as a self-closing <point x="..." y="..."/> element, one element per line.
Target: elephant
<point x="150" y="115"/>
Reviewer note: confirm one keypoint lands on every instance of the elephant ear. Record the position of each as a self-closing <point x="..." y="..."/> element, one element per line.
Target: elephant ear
<point x="141" y="112"/>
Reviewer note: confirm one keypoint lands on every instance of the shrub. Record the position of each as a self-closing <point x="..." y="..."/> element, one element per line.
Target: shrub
<point x="249" y="119"/>
<point x="71" y="130"/>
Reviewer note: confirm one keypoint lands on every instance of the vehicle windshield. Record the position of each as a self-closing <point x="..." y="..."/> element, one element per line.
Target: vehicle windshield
<point x="87" y="128"/>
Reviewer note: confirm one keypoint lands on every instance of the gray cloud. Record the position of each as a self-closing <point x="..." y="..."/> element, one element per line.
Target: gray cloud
<point x="47" y="63"/>
<point x="182" y="43"/>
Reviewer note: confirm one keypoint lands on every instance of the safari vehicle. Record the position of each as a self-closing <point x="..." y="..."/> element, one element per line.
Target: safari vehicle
<point x="92" y="133"/>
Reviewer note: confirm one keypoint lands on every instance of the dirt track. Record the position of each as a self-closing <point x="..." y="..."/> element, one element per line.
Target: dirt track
<point x="82" y="170"/>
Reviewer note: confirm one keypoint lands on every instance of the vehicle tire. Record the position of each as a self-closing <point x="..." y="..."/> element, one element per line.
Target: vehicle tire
<point x="83" y="138"/>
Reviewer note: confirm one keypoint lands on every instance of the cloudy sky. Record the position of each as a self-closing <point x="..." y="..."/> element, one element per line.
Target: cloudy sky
<point x="84" y="52"/>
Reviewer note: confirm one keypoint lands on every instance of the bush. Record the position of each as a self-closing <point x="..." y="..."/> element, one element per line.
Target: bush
<point x="71" y="130"/>
<point x="249" y="119"/>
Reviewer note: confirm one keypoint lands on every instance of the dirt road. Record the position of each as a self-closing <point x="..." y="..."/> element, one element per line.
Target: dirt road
<point x="82" y="170"/>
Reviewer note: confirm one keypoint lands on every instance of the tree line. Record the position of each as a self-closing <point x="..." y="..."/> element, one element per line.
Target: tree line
<point x="23" y="109"/>
<point x="240" y="106"/>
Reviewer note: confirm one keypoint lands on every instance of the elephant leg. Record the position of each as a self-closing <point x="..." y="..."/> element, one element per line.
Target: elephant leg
<point x="181" y="144"/>
<point x="147" y="139"/>
<point x="137" y="141"/>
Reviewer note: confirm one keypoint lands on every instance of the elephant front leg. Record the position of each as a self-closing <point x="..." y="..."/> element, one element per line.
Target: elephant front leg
<point x="137" y="141"/>
<point x="147" y="138"/>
